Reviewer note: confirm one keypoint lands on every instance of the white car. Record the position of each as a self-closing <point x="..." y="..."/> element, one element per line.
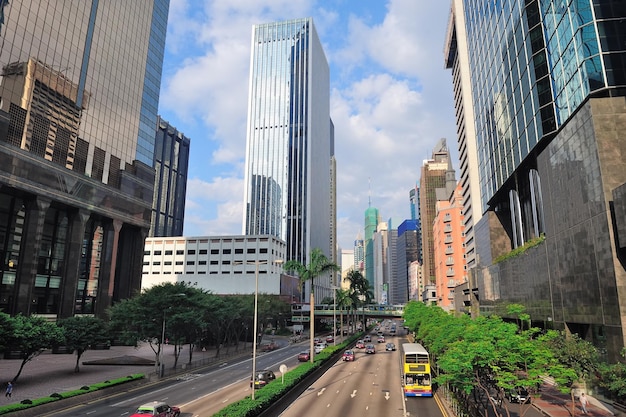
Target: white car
<point x="320" y="347"/>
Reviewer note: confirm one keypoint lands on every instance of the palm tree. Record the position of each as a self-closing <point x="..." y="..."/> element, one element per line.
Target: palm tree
<point x="361" y="291"/>
<point x="318" y="265"/>
<point x="343" y="300"/>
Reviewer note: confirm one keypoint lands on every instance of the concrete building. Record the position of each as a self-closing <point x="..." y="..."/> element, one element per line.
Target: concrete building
<point x="450" y="265"/>
<point x="456" y="58"/>
<point x="220" y="264"/>
<point x="372" y="218"/>
<point x="171" y="162"/>
<point x="548" y="85"/>
<point x="288" y="189"/>
<point x="433" y="177"/>
<point x="407" y="252"/>
<point x="80" y="91"/>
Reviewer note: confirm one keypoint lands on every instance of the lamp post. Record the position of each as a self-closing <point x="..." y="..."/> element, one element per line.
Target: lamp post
<point x="334" y="288"/>
<point x="160" y="363"/>
<point x="256" y="312"/>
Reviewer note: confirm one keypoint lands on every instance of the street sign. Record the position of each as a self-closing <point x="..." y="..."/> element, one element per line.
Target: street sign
<point x="300" y="318"/>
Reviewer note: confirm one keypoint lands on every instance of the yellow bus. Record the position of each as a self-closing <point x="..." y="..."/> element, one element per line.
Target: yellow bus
<point x="416" y="379"/>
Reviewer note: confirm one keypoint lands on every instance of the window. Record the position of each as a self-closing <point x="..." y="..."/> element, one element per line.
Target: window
<point x="226" y="251"/>
<point x="191" y="262"/>
<point x="191" y="252"/>
<point x="201" y="262"/>
<point x="168" y="252"/>
<point x="251" y="250"/>
<point x="215" y="252"/>
<point x="180" y="252"/>
<point x="203" y="252"/>
<point x="238" y="251"/>
<point x="157" y="252"/>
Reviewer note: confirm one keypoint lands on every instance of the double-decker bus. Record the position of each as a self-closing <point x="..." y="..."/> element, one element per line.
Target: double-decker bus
<point x="416" y="378"/>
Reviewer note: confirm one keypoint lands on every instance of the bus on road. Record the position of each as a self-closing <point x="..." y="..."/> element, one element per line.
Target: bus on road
<point x="416" y="378"/>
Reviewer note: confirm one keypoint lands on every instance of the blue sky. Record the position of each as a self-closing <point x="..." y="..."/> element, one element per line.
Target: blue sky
<point x="391" y="100"/>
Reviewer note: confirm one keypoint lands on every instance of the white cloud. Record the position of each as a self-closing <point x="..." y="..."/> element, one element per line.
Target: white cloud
<point x="391" y="100"/>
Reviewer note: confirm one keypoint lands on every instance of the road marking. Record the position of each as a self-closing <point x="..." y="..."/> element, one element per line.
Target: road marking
<point x="387" y="396"/>
<point x="353" y="394"/>
<point x="321" y="392"/>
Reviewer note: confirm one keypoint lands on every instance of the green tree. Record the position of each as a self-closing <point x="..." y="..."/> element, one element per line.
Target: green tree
<point x="360" y="290"/>
<point x="81" y="333"/>
<point x="576" y="360"/>
<point x="6" y="329"/>
<point x="31" y="335"/>
<point x="155" y="314"/>
<point x="318" y="265"/>
<point x="612" y="377"/>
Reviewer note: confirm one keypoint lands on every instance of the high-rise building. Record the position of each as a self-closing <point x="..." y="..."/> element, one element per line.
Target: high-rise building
<point x="450" y="264"/>
<point x="171" y="162"/>
<point x="372" y="219"/>
<point x="548" y="84"/>
<point x="359" y="254"/>
<point x="290" y="144"/>
<point x="456" y="58"/>
<point x="407" y="251"/>
<point x="433" y="177"/>
<point x="79" y="96"/>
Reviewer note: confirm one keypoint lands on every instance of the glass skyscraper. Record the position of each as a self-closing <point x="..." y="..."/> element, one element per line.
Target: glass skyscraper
<point x="78" y="114"/>
<point x="548" y="82"/>
<point x="290" y="144"/>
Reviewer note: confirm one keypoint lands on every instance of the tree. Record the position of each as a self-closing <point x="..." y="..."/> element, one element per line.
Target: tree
<point x="31" y="335"/>
<point x="576" y="360"/>
<point x="81" y="333"/>
<point x="155" y="313"/>
<point x="343" y="301"/>
<point x="6" y="329"/>
<point x="361" y="292"/>
<point x="318" y="265"/>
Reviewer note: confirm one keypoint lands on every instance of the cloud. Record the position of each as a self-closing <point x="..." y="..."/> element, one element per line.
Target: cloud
<point x="391" y="100"/>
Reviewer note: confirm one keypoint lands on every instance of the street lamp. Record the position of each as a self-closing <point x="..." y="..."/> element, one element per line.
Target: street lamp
<point x="335" y="288"/>
<point x="160" y="363"/>
<point x="256" y="312"/>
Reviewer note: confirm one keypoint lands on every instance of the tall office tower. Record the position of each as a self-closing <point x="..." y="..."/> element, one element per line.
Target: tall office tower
<point x="380" y="240"/>
<point x="171" y="161"/>
<point x="335" y="249"/>
<point x="288" y="185"/>
<point x="433" y="177"/>
<point x="371" y="223"/>
<point x="457" y="58"/>
<point x="414" y="202"/>
<point x="407" y="249"/>
<point x="359" y="254"/>
<point x="548" y="85"/>
<point x="450" y="264"/>
<point x="79" y="96"/>
<point x="391" y="265"/>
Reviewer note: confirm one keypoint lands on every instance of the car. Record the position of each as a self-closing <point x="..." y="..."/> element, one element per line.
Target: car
<point x="320" y="347"/>
<point x="360" y="344"/>
<point x="370" y="348"/>
<point x="263" y="378"/>
<point x="520" y="396"/>
<point x="381" y="339"/>
<point x="367" y="339"/>
<point x="156" y="408"/>
<point x="390" y="346"/>
<point x="348" y="356"/>
<point x="317" y="340"/>
<point x="330" y="338"/>
<point x="304" y="356"/>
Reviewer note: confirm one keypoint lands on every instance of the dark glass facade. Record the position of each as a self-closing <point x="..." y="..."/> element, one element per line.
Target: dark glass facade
<point x="80" y="87"/>
<point x="171" y="162"/>
<point x="548" y="86"/>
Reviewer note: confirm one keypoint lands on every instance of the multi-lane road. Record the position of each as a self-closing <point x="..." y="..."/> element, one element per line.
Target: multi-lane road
<point x="369" y="386"/>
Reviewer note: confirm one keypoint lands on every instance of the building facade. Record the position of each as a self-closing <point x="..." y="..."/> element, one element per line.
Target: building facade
<point x="171" y="163"/>
<point x="450" y="264"/>
<point x="372" y="218"/>
<point x="80" y="91"/>
<point x="548" y="85"/>
<point x="456" y="59"/>
<point x="290" y="144"/>
<point x="433" y="177"/>
<point x="221" y="264"/>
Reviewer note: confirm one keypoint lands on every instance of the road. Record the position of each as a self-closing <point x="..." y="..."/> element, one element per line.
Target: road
<point x="369" y="386"/>
<point x="197" y="394"/>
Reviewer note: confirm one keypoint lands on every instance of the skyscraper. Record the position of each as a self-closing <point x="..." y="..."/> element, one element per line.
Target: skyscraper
<point x="290" y="144"/>
<point x="548" y="84"/>
<point x="171" y="161"/>
<point x="433" y="177"/>
<point x="80" y="90"/>
<point x="371" y="224"/>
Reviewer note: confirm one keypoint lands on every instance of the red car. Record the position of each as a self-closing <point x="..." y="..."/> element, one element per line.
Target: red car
<point x="348" y="356"/>
<point x="360" y="345"/>
<point x="304" y="356"/>
<point x="370" y="349"/>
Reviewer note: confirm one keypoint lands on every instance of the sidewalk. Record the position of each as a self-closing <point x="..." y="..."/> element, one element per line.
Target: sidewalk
<point x="553" y="403"/>
<point x="49" y="373"/>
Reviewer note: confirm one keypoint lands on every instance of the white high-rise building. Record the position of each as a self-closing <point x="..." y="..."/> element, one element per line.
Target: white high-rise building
<point x="290" y="141"/>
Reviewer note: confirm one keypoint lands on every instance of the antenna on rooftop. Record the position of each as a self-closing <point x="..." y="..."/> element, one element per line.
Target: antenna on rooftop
<point x="369" y="191"/>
